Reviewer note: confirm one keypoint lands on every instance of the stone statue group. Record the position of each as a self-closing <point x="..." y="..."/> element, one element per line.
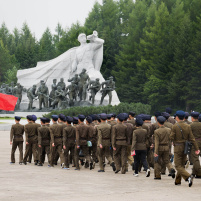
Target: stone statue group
<point x="62" y="96"/>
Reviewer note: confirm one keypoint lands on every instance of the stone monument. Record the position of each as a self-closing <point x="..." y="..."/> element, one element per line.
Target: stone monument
<point x="87" y="56"/>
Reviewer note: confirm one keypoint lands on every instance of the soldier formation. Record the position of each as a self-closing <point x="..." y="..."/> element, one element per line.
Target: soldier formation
<point x="122" y="140"/>
<point x="62" y="96"/>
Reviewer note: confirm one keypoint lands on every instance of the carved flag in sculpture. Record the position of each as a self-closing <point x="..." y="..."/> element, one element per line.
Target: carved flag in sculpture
<point x="7" y="102"/>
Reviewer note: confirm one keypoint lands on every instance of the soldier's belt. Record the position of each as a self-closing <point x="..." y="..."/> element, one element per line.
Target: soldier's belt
<point x="120" y="139"/>
<point x="17" y="136"/>
<point x="179" y="144"/>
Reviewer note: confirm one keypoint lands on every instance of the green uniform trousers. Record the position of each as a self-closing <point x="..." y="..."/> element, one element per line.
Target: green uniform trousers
<point x="14" y="147"/>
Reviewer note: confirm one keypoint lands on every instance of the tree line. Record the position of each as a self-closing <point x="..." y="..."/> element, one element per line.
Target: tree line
<point x="152" y="48"/>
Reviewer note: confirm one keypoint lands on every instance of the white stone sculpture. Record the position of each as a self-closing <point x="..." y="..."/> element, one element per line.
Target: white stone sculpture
<point x="71" y="62"/>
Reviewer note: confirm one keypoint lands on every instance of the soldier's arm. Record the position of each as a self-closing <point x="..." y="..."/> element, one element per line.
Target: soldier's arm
<point x="191" y="138"/>
<point x="39" y="137"/>
<point x="11" y="134"/>
<point x="133" y="141"/>
<point x="77" y="137"/>
<point x="113" y="137"/>
<point x="64" y="136"/>
<point x="173" y="134"/>
<point x="26" y="134"/>
<point x="156" y="142"/>
<point x="99" y="136"/>
<point x="51" y="135"/>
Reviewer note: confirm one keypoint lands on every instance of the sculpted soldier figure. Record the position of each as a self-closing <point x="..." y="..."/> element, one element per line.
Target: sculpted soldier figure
<point x="94" y="86"/>
<point x="59" y="97"/>
<point x="71" y="91"/>
<point x="43" y="95"/>
<point x="17" y="91"/>
<point x="7" y="89"/>
<point x="31" y="94"/>
<point x="12" y="87"/>
<point x="83" y="84"/>
<point x="109" y="87"/>
<point x="76" y="79"/>
<point x="3" y="88"/>
<point x="52" y="93"/>
<point x="62" y="84"/>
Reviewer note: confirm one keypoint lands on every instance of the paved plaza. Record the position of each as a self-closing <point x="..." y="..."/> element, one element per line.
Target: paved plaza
<point x="30" y="182"/>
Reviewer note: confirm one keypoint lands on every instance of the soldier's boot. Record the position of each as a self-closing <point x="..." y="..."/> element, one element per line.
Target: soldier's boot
<point x="91" y="166"/>
<point x="113" y="166"/>
<point x="172" y="172"/>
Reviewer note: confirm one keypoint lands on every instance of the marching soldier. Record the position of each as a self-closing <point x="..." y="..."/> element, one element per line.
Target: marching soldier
<point x="56" y="132"/>
<point x="31" y="133"/>
<point x="69" y="134"/>
<point x="104" y="142"/>
<point x="119" y="144"/>
<point x="43" y="141"/>
<point x="82" y="134"/>
<point x="131" y="118"/>
<point x="179" y="134"/>
<point x="170" y="119"/>
<point x="161" y="136"/>
<point x="196" y="130"/>
<point x="16" y="140"/>
<point x="139" y="146"/>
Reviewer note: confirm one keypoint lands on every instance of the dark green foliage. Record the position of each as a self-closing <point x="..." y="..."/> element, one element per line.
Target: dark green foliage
<point x="121" y="108"/>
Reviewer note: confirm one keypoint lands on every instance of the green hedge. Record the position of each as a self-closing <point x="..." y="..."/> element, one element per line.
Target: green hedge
<point x="138" y="108"/>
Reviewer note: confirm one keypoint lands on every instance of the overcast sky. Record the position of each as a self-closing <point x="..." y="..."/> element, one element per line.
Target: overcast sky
<point x="40" y="14"/>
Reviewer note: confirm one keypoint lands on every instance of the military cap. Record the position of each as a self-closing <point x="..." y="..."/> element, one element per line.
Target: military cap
<point x="161" y="119"/>
<point x="81" y="116"/>
<point x="114" y="115"/>
<point x="180" y="113"/>
<point x="75" y="120"/>
<point x="199" y="118"/>
<point x="139" y="121"/>
<point x="187" y="114"/>
<point x="62" y="117"/>
<point x="168" y="110"/>
<point x="55" y="117"/>
<point x="34" y="117"/>
<point x="47" y="120"/>
<point x="141" y="116"/>
<point x="43" y="119"/>
<point x="132" y="113"/>
<point x="165" y="114"/>
<point x="195" y="114"/>
<point x="103" y="116"/>
<point x="29" y="117"/>
<point x="146" y="117"/>
<point x="69" y="119"/>
<point x="121" y="116"/>
<point x="94" y="117"/>
<point x="156" y="114"/>
<point x="109" y="116"/>
<point x="89" y="119"/>
<point x="126" y="116"/>
<point x="17" y="118"/>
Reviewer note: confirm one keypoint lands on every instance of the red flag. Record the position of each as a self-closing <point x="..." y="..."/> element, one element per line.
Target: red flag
<point x="7" y="102"/>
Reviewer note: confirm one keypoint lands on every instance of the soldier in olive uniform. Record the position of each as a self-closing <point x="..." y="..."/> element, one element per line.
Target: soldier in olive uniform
<point x="16" y="140"/>
<point x="104" y="142"/>
<point x="56" y="132"/>
<point x="170" y="119"/>
<point x="93" y="139"/>
<point x="186" y="118"/>
<point x="31" y="133"/>
<point x="43" y="141"/>
<point x="139" y="146"/>
<point x="119" y="144"/>
<point x="179" y="134"/>
<point x="130" y="129"/>
<point x="161" y="136"/>
<point x="69" y="134"/>
<point x="82" y="135"/>
<point x="196" y="130"/>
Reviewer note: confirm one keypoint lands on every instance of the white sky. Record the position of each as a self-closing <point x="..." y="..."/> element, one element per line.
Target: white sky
<point x="40" y="14"/>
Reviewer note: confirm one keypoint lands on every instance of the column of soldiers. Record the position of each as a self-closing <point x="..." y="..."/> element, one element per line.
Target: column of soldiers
<point x="61" y="95"/>
<point x="122" y="140"/>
